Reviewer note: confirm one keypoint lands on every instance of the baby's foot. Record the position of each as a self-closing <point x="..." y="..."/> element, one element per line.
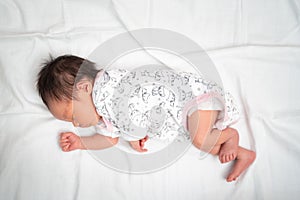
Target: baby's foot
<point x="244" y="159"/>
<point x="228" y="151"/>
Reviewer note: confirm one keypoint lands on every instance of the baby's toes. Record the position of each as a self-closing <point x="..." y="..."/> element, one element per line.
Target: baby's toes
<point x="231" y="157"/>
<point x="228" y="157"/>
<point x="231" y="178"/>
<point x="234" y="156"/>
<point x="222" y="158"/>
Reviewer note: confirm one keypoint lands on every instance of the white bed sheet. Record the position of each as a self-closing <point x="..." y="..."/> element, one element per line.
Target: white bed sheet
<point x="254" y="45"/>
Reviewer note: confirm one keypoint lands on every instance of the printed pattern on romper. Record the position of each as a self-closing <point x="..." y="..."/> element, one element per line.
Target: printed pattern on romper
<point x="165" y="90"/>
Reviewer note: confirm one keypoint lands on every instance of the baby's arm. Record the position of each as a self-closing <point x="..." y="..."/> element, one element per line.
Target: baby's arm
<point x="70" y="141"/>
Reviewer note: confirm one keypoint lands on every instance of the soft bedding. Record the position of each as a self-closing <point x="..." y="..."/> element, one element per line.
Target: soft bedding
<point x="254" y="45"/>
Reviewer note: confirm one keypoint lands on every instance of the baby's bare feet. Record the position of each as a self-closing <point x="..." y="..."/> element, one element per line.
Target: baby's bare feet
<point x="244" y="159"/>
<point x="229" y="149"/>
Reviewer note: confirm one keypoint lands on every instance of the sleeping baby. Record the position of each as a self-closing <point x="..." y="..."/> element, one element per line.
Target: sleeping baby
<point x="140" y="104"/>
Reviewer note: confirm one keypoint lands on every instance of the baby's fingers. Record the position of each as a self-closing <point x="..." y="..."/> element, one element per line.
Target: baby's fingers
<point x="145" y="138"/>
<point x="65" y="135"/>
<point x="63" y="140"/>
<point x="142" y="141"/>
<point x="142" y="144"/>
<point x="65" y="147"/>
<point x="143" y="150"/>
<point x="62" y="144"/>
<point x="137" y="148"/>
<point x="141" y="147"/>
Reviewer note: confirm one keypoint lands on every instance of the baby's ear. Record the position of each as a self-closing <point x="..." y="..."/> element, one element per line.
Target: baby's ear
<point x="85" y="86"/>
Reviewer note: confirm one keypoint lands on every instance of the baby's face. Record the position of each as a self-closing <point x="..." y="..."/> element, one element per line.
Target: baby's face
<point x="80" y="112"/>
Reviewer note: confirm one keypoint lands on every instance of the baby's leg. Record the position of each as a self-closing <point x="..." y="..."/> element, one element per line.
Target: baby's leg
<point x="207" y="139"/>
<point x="210" y="140"/>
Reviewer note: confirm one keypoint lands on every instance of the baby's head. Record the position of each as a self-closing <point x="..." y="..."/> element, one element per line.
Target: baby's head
<point x="65" y="85"/>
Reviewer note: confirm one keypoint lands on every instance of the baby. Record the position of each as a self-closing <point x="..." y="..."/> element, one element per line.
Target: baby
<point x="75" y="91"/>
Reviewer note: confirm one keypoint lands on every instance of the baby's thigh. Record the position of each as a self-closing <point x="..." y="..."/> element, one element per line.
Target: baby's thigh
<point x="201" y="122"/>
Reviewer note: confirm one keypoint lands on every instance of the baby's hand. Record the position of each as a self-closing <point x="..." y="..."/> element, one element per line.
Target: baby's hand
<point x="70" y="141"/>
<point x="139" y="145"/>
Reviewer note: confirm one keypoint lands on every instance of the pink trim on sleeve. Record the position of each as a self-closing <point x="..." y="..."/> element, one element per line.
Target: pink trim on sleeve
<point x="108" y="124"/>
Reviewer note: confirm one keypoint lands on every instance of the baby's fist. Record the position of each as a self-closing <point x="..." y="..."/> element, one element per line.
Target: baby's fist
<point x="69" y="141"/>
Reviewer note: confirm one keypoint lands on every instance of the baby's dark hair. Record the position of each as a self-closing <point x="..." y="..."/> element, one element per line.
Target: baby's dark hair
<point x="58" y="76"/>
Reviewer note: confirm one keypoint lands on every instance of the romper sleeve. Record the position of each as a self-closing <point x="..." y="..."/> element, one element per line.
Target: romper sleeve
<point x="105" y="128"/>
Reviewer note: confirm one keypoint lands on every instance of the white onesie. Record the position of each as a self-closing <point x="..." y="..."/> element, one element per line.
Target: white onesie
<point x="156" y="102"/>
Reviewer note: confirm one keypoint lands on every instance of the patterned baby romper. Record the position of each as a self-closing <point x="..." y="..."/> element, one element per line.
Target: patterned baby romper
<point x="156" y="102"/>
